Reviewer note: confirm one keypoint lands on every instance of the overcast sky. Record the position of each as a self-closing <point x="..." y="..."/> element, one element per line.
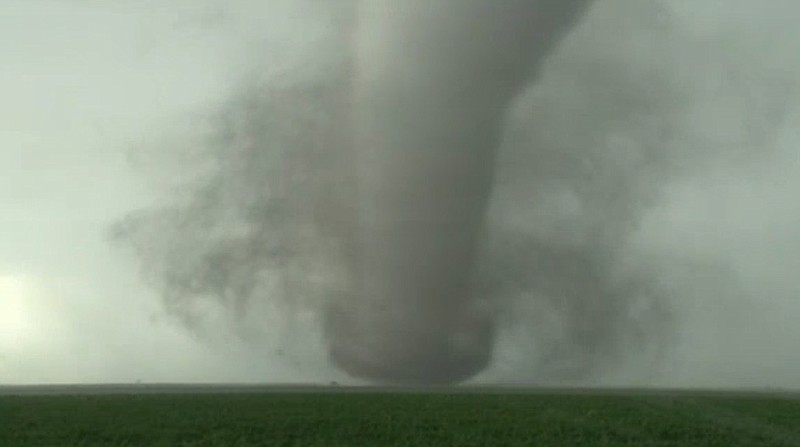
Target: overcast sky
<point x="84" y="84"/>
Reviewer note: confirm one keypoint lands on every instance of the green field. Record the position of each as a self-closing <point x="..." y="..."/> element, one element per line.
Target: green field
<point x="382" y="418"/>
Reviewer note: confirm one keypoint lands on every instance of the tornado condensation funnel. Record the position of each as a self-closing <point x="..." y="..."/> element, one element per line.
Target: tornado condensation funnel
<point x="432" y="82"/>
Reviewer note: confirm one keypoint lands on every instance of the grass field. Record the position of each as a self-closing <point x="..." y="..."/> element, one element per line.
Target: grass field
<point x="383" y="418"/>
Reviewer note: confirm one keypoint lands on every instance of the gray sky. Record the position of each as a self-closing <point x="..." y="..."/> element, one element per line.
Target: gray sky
<point x="85" y="84"/>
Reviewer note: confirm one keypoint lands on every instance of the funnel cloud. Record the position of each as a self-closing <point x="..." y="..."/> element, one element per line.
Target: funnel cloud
<point x="449" y="190"/>
<point x="431" y="85"/>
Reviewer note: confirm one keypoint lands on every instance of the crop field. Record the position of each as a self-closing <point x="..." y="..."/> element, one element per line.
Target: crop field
<point x="374" y="417"/>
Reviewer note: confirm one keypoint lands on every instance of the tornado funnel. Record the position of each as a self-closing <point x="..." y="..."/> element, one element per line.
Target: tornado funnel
<point x="431" y="86"/>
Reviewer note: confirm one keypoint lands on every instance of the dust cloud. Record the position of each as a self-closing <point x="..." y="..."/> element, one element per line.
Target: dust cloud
<point x="623" y="223"/>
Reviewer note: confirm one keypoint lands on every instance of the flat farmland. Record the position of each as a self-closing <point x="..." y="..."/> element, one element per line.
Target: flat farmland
<point x="170" y="415"/>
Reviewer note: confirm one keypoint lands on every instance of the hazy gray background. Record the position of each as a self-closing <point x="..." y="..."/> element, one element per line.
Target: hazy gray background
<point x="90" y="90"/>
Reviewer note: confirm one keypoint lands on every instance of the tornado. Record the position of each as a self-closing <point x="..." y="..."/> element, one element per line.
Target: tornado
<point x="431" y="84"/>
